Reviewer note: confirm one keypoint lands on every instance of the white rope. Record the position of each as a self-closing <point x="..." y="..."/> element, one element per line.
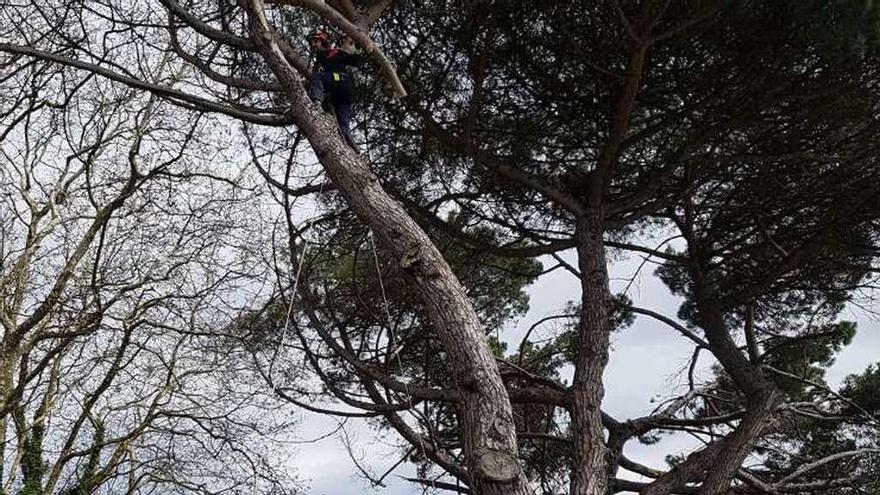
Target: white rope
<point x="293" y="292"/>
<point x="394" y="347"/>
<point x="385" y="306"/>
<point x="284" y="328"/>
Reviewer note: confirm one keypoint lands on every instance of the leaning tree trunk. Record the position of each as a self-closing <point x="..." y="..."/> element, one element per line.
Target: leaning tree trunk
<point x="717" y="465"/>
<point x="762" y="397"/>
<point x="489" y="437"/>
<point x="589" y="475"/>
<point x="739" y="444"/>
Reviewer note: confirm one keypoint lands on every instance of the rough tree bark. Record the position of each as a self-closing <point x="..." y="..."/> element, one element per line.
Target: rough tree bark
<point x="489" y="437"/>
<point x="762" y="399"/>
<point x="717" y="464"/>
<point x="738" y="445"/>
<point x="590" y="473"/>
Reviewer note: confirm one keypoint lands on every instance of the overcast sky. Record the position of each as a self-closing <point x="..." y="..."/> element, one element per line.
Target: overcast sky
<point x="648" y="360"/>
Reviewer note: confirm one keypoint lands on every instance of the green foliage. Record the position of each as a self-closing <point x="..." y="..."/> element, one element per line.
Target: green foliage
<point x="807" y="356"/>
<point x="864" y="390"/>
<point x="496" y="346"/>
<point x="800" y="440"/>
<point x="842" y="28"/>
<point x="756" y="125"/>
<point x="781" y="82"/>
<point x="258" y="328"/>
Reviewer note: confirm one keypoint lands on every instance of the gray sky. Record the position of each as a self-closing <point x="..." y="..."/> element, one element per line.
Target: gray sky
<point x="648" y="360"/>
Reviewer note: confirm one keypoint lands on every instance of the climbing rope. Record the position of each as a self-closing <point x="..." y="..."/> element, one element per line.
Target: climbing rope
<point x="394" y="346"/>
<point x="388" y="320"/>
<point x="302" y="257"/>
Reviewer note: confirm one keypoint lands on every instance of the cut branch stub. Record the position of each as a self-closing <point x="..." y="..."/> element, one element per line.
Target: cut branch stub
<point x="410" y="258"/>
<point x="497" y="465"/>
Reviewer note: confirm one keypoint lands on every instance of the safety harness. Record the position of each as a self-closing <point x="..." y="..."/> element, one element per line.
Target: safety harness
<point x="331" y="54"/>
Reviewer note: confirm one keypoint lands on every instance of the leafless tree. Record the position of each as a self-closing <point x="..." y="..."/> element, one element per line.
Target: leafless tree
<point x="119" y="249"/>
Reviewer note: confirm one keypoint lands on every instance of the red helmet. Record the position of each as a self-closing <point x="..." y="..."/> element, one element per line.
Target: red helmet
<point x="321" y="36"/>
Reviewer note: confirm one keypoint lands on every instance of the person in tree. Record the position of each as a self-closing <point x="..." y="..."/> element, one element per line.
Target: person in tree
<point x="330" y="84"/>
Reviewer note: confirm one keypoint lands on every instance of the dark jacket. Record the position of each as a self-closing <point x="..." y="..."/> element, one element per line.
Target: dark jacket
<point x="335" y="61"/>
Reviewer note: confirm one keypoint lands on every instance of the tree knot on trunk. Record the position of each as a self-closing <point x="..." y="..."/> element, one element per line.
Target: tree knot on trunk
<point x="500" y="430"/>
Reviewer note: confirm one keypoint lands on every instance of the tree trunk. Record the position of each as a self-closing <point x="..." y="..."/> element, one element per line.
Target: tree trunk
<point x="6" y="363"/>
<point x="489" y="437"/>
<point x="718" y="463"/>
<point x="738" y="445"/>
<point x="762" y="398"/>
<point x="687" y="472"/>
<point x="590" y="470"/>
